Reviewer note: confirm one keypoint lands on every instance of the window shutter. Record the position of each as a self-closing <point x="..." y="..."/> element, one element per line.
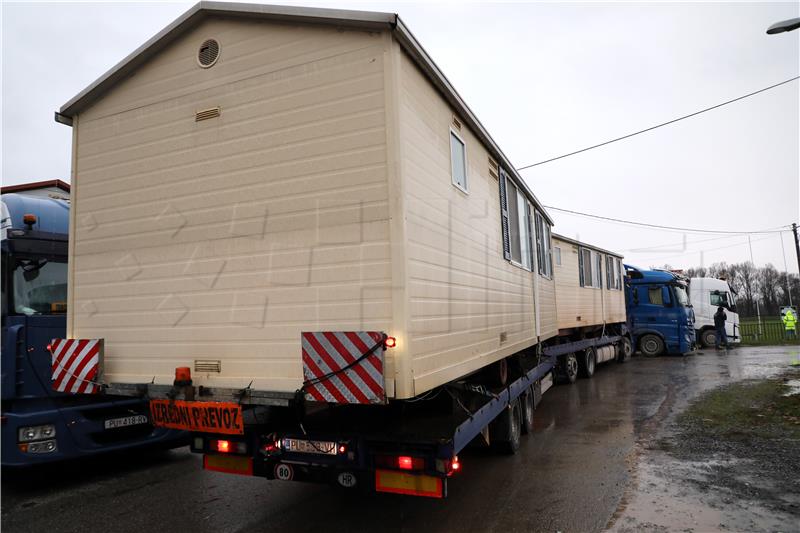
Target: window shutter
<point x="580" y="266"/>
<point x="504" y="215"/>
<point x="609" y="272"/>
<point x="599" y="263"/>
<point x="548" y="241"/>
<point x="539" y="242"/>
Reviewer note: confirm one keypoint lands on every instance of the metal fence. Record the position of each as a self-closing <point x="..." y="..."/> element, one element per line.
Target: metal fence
<point x="767" y="332"/>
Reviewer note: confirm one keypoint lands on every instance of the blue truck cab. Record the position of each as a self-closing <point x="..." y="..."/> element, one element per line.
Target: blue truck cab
<point x="660" y="316"/>
<point x="38" y="424"/>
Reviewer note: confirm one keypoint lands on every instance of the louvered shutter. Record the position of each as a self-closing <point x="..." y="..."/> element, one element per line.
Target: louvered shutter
<point x="580" y="267"/>
<point x="504" y="215"/>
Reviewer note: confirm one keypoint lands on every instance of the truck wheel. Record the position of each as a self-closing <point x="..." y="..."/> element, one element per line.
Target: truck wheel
<point x="570" y="368"/>
<point x="587" y="362"/>
<point x="651" y="345"/>
<point x="496" y="374"/>
<point x="708" y="338"/>
<point x="506" y="429"/>
<point x="527" y="411"/>
<point x="625" y="349"/>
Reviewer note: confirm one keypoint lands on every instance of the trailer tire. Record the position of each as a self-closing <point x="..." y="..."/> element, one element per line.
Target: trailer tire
<point x="708" y="338"/>
<point x="496" y="374"/>
<point x="588" y="362"/>
<point x="569" y="368"/>
<point x="651" y="345"/>
<point x="506" y="430"/>
<point x="625" y="349"/>
<point x="527" y="411"/>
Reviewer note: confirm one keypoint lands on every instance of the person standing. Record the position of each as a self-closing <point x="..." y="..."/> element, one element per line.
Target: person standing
<point x="789" y="324"/>
<point x="719" y="325"/>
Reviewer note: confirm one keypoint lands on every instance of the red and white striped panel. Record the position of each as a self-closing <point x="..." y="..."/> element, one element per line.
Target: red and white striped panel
<point x="76" y="364"/>
<point x="325" y="352"/>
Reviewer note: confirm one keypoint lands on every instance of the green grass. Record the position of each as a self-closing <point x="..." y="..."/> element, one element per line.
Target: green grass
<point x="746" y="409"/>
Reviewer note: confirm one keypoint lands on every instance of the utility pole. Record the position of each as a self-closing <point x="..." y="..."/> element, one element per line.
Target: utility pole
<point x="796" y="245"/>
<point x="786" y="269"/>
<point x="758" y="308"/>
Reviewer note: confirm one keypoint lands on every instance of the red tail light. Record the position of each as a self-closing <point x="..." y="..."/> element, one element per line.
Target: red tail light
<point x="405" y="462"/>
<point x="455" y="465"/>
<point x="223" y="446"/>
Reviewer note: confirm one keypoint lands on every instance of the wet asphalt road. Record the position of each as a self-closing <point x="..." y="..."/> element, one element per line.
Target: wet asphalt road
<point x="570" y="475"/>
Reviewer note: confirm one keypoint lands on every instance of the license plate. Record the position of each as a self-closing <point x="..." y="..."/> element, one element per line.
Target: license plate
<point x="125" y="421"/>
<point x="202" y="417"/>
<point x="309" y="446"/>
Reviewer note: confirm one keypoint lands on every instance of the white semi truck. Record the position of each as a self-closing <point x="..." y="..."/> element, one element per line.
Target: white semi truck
<point x="706" y="295"/>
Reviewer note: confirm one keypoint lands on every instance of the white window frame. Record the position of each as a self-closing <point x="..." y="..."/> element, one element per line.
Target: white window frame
<point x="525" y="229"/>
<point x="597" y="277"/>
<point x="544" y="250"/>
<point x="557" y="255"/>
<point x="465" y="188"/>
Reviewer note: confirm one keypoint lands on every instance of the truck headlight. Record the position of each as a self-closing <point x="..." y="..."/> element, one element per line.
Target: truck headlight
<point x="42" y="446"/>
<point x="32" y="433"/>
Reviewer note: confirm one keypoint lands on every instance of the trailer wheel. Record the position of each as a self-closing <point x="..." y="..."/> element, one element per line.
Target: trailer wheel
<point x="587" y="362"/>
<point x="497" y="373"/>
<point x="651" y="345"/>
<point x="527" y="411"/>
<point x="708" y="338"/>
<point x="506" y="429"/>
<point x="625" y="349"/>
<point x="570" y="368"/>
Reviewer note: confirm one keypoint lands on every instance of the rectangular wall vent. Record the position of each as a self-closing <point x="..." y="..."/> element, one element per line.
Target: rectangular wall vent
<point x="493" y="170"/>
<point x="206" y="114"/>
<point x="207" y="365"/>
<point x="456" y="123"/>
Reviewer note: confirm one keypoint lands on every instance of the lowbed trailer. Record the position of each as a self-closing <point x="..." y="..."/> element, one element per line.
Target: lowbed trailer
<point x="405" y="447"/>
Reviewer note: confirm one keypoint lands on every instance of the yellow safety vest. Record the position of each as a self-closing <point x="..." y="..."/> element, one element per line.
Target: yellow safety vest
<point x="789" y="321"/>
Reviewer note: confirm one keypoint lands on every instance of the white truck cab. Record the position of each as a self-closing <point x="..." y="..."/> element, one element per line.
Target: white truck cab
<point x="706" y="295"/>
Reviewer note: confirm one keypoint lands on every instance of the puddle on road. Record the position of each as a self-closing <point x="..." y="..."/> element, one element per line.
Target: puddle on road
<point x="794" y="387"/>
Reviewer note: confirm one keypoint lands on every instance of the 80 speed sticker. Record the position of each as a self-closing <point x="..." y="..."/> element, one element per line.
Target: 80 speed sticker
<point x="284" y="472"/>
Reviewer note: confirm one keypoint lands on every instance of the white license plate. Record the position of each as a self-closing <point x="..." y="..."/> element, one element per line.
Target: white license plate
<point x="309" y="446"/>
<point x="125" y="421"/>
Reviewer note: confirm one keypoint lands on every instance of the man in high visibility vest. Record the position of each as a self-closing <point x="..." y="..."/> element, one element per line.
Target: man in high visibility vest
<point x="790" y="324"/>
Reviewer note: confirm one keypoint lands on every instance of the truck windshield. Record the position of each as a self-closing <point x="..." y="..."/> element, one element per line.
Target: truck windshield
<point x="37" y="284"/>
<point x="681" y="296"/>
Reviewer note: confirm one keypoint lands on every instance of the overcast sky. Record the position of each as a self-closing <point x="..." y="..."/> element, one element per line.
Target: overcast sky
<point x="545" y="79"/>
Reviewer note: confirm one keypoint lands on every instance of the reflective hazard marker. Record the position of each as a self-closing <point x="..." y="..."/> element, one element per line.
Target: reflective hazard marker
<point x="331" y="372"/>
<point x="75" y="365"/>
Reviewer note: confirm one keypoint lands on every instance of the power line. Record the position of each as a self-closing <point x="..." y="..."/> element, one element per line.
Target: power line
<point x="660" y="125"/>
<point x="661" y="258"/>
<point x="648" y="249"/>
<point x="666" y="228"/>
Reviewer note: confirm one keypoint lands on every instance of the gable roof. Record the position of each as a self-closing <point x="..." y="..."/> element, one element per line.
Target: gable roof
<point x="367" y="20"/>
<point x="586" y="245"/>
<point x="34" y="185"/>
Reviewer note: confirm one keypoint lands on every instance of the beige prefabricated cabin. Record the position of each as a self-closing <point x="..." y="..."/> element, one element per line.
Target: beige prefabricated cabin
<point x="589" y="285"/>
<point x="254" y="172"/>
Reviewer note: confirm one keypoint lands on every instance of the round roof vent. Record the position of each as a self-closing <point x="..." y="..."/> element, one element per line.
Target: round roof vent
<point x="208" y="53"/>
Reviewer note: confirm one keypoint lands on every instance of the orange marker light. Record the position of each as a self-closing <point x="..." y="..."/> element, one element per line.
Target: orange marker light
<point x="390" y="342"/>
<point x="183" y="373"/>
<point x="28" y="218"/>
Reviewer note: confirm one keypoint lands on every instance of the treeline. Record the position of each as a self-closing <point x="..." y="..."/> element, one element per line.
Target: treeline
<point x="765" y="285"/>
